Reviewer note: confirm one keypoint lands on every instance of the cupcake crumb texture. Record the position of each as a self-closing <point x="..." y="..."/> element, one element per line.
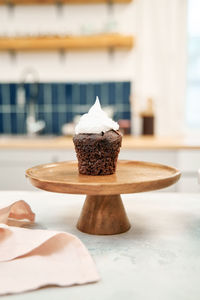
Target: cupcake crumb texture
<point x="97" y="153"/>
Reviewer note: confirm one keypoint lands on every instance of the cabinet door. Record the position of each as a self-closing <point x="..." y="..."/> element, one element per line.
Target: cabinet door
<point x="13" y="165"/>
<point x="188" y="184"/>
<point x="189" y="160"/>
<point x="13" y="178"/>
<point x="62" y="155"/>
<point x="188" y="163"/>
<point x="166" y="157"/>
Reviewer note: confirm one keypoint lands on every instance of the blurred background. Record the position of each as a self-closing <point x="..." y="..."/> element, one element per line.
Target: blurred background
<point x="141" y="57"/>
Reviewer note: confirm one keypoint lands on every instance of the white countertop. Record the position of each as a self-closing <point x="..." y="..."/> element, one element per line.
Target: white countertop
<point x="158" y="258"/>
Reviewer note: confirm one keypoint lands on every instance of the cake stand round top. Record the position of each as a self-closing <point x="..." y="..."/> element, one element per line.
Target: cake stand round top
<point x="130" y="177"/>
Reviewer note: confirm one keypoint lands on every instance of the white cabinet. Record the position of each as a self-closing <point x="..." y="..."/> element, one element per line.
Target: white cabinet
<point x="188" y="184"/>
<point x="13" y="164"/>
<point x="188" y="163"/>
<point x="157" y="156"/>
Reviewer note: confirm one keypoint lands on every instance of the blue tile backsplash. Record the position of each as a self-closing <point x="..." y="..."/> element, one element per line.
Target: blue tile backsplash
<point x="59" y="103"/>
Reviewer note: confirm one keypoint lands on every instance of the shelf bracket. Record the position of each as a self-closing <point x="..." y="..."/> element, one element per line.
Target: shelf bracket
<point x="110" y="6"/>
<point x="10" y="6"/>
<point x="62" y="55"/>
<point x="13" y="55"/>
<point x="59" y="7"/>
<point x="111" y="52"/>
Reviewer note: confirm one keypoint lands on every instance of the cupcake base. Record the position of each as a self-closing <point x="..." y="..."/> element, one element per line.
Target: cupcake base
<point x="97" y="153"/>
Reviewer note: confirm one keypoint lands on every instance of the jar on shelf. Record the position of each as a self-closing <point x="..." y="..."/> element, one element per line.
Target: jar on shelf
<point x="148" y="119"/>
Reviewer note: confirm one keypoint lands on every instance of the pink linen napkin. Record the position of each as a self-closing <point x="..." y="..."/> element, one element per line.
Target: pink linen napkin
<point x="18" y="210"/>
<point x="30" y="259"/>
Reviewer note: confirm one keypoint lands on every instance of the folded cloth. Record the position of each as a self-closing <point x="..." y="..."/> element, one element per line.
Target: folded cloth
<point x="30" y="259"/>
<point x="18" y="210"/>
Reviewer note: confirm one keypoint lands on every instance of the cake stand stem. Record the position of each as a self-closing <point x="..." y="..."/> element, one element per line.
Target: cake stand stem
<point x="103" y="215"/>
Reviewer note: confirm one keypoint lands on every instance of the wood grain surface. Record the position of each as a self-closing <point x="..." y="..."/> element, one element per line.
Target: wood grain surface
<point x="130" y="177"/>
<point x="103" y="212"/>
<point x="103" y="215"/>
<point x="50" y="43"/>
<point x="47" y="2"/>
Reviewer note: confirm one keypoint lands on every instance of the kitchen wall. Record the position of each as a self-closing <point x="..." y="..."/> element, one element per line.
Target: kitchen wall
<point x="77" y="19"/>
<point x="156" y="66"/>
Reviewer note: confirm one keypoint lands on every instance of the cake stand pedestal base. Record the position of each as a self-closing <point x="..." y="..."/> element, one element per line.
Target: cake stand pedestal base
<point x="103" y="215"/>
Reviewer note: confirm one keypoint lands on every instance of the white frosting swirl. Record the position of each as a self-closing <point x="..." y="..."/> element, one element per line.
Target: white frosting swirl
<point x="95" y="121"/>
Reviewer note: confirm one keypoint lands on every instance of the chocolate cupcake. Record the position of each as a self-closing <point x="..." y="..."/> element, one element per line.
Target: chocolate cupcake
<point x="97" y="142"/>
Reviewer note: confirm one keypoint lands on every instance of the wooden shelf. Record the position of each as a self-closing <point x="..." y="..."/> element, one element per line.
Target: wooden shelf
<point x="47" y="2"/>
<point x="96" y="42"/>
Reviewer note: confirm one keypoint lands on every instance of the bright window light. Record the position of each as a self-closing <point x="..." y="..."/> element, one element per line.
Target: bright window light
<point x="193" y="73"/>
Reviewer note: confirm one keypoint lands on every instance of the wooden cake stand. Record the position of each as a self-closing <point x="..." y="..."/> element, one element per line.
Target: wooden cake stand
<point x="103" y="211"/>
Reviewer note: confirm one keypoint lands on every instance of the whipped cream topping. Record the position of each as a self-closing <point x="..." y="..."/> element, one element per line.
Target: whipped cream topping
<point x="95" y="121"/>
